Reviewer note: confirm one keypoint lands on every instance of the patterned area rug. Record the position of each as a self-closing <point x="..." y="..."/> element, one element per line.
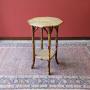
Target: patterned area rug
<point x="44" y="82"/>
<point x="16" y="73"/>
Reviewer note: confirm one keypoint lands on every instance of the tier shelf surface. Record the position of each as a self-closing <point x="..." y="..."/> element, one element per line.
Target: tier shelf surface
<point x="43" y="54"/>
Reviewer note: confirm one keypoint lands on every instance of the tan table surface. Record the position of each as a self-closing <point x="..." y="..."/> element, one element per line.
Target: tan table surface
<point x="44" y="21"/>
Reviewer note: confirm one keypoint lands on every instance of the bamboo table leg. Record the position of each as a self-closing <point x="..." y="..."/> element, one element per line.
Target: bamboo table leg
<point x="33" y="46"/>
<point x="41" y="38"/>
<point x="56" y="44"/>
<point x="49" y="48"/>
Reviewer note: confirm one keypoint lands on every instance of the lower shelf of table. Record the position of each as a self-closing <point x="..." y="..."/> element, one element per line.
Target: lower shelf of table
<point x="43" y="54"/>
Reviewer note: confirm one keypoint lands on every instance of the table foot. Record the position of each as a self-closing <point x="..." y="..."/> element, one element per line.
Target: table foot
<point x="49" y="73"/>
<point x="49" y="68"/>
<point x="56" y="59"/>
<point x="32" y="67"/>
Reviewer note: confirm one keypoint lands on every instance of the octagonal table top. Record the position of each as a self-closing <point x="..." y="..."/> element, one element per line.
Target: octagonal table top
<point x="44" y="21"/>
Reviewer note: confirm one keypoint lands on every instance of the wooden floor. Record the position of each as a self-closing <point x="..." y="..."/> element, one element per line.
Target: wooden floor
<point x="74" y="60"/>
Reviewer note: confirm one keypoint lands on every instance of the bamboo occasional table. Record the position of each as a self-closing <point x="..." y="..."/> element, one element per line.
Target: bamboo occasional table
<point x="48" y="24"/>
